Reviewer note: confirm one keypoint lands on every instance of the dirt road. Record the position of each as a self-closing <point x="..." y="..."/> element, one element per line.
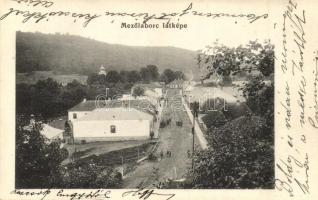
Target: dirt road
<point x="172" y="138"/>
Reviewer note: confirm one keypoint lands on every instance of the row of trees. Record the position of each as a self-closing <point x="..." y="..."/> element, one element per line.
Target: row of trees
<point x="145" y="75"/>
<point x="48" y="98"/>
<point x="241" y="152"/>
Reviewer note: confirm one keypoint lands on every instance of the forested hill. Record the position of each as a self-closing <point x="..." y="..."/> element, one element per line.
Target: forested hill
<point x="75" y="54"/>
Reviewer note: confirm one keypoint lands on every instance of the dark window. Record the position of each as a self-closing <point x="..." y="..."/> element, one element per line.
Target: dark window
<point x="74" y="116"/>
<point x="113" y="129"/>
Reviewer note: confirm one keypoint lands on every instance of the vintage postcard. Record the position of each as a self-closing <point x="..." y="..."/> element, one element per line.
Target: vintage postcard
<point x="158" y="100"/>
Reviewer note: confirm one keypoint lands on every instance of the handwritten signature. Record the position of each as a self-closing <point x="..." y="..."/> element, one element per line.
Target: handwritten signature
<point x="146" y="193"/>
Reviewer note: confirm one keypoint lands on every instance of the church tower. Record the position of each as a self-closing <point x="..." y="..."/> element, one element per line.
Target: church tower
<point x="102" y="70"/>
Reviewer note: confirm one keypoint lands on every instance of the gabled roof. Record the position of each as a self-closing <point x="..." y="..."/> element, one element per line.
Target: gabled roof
<point x="177" y="81"/>
<point x="116" y="114"/>
<point x="88" y="105"/>
<point x="139" y="104"/>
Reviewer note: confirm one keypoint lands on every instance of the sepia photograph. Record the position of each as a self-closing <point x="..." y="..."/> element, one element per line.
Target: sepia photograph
<point x="158" y="100"/>
<point x="92" y="114"/>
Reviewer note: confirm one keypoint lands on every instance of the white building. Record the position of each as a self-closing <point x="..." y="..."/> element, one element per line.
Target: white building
<point x="116" y="121"/>
<point x="176" y="84"/>
<point x="81" y="110"/>
<point x="152" y="92"/>
<point x="102" y="70"/>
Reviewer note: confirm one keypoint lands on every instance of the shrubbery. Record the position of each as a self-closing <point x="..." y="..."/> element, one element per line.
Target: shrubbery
<point x="37" y="159"/>
<point x="214" y="118"/>
<point x="229" y="110"/>
<point x="91" y="176"/>
<point x="241" y="156"/>
<point x="241" y="153"/>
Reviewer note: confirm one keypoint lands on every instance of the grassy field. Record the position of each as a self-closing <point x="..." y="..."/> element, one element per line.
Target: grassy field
<point x="33" y="77"/>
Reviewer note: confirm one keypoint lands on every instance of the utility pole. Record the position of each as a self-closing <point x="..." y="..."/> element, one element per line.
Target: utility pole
<point x="195" y="108"/>
<point x="122" y="165"/>
<point x="107" y="93"/>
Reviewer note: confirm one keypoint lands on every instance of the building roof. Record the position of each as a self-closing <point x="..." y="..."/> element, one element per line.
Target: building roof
<point x="88" y="105"/>
<point x="152" y="85"/>
<point x="176" y="81"/>
<point x="116" y="114"/>
<point x="51" y="132"/>
<point x="139" y="104"/>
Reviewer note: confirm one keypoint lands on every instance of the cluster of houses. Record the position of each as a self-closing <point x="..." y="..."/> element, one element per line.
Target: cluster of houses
<point x="126" y="118"/>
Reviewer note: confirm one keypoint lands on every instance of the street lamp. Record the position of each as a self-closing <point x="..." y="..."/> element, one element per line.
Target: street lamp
<point x="195" y="109"/>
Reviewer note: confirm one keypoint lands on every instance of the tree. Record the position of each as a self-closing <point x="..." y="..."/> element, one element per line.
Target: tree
<point x="153" y="70"/>
<point x="179" y="75"/>
<point x="260" y="98"/>
<point x="214" y="118"/>
<point x="24" y="94"/>
<point x="112" y="76"/>
<point x="73" y="93"/>
<point x="46" y="98"/>
<point x="138" y="91"/>
<point x="123" y="76"/>
<point x="133" y="76"/>
<point x="145" y="75"/>
<point x="167" y="76"/>
<point x="240" y="156"/>
<point x="37" y="159"/>
<point x="267" y="57"/>
<point x="149" y="73"/>
<point x="93" y="79"/>
<point x="225" y="61"/>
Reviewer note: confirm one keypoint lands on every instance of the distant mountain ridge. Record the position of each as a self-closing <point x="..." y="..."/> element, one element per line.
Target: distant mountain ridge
<point x="75" y="54"/>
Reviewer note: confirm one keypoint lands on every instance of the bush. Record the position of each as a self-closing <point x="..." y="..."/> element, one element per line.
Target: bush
<point x="64" y="153"/>
<point x="229" y="110"/>
<point x="241" y="156"/>
<point x="37" y="160"/>
<point x="235" y="110"/>
<point x="260" y="98"/>
<point x="91" y="176"/>
<point x="214" y="118"/>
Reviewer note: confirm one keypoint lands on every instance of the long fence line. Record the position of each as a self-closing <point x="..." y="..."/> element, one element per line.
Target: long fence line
<point x="198" y="132"/>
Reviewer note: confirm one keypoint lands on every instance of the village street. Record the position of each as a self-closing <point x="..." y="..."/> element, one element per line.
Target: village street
<point x="172" y="138"/>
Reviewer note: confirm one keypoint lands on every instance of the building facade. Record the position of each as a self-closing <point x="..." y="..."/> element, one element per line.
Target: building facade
<point x="112" y="123"/>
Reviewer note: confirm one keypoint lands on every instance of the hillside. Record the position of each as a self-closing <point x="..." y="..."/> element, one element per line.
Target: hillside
<point x="75" y="54"/>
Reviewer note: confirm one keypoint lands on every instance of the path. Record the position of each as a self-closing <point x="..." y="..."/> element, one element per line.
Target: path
<point x="176" y="139"/>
